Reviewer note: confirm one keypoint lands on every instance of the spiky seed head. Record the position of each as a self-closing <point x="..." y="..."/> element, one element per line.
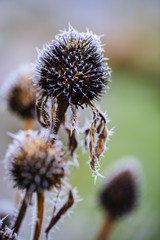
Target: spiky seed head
<point x="72" y="67"/>
<point x="119" y="195"/>
<point x="35" y="164"/>
<point x="6" y="233"/>
<point x="21" y="93"/>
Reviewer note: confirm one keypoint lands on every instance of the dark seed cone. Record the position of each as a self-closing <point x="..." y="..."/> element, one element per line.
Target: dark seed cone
<point x="119" y="195"/>
<point x="21" y="94"/>
<point x="34" y="164"/>
<point x="72" y="71"/>
<point x="6" y="233"/>
<point x="72" y="68"/>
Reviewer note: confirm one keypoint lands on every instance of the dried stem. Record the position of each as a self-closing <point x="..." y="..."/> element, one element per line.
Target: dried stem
<point x="22" y="211"/>
<point x="98" y="112"/>
<point x="40" y="213"/>
<point x="106" y="227"/>
<point x="28" y="123"/>
<point x="53" y="115"/>
<point x="61" y="212"/>
<point x="74" y="117"/>
<point x="38" y="109"/>
<point x="60" y="113"/>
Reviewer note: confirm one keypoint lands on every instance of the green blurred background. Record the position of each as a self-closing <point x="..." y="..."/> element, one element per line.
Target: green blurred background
<point x="132" y="36"/>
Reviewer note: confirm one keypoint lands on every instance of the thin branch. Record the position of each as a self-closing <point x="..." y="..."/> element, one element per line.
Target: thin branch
<point x="105" y="229"/>
<point x="61" y="212"/>
<point x="60" y="113"/>
<point x="40" y="213"/>
<point x="21" y="213"/>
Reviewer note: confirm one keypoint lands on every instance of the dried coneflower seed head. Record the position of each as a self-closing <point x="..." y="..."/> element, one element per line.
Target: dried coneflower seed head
<point x="119" y="195"/>
<point x="21" y="93"/>
<point x="6" y="233"/>
<point x="72" y="68"/>
<point x="34" y="164"/>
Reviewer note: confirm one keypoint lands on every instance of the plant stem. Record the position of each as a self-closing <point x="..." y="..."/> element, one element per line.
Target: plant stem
<point x="60" y="113"/>
<point x="62" y="211"/>
<point x="28" y="124"/>
<point x="105" y="228"/>
<point x="40" y="213"/>
<point x="22" y="211"/>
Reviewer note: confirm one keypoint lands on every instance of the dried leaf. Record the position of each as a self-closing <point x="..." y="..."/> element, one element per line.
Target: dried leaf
<point x="101" y="142"/>
<point x="72" y="144"/>
<point x="92" y="141"/>
<point x="99" y="128"/>
<point x="61" y="212"/>
<point x="85" y="138"/>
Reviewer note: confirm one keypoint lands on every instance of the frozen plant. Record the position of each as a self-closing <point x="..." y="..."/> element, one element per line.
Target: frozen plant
<point x="119" y="194"/>
<point x="71" y="71"/>
<point x="35" y="165"/>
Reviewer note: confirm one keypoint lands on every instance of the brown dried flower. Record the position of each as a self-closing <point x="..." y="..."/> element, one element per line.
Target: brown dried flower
<point x="72" y="71"/>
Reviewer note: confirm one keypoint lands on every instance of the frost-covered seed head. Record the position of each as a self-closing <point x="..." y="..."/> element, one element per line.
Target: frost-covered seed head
<point x="72" y="68"/>
<point x="119" y="195"/>
<point x="21" y="93"/>
<point x="6" y="233"/>
<point x="35" y="164"/>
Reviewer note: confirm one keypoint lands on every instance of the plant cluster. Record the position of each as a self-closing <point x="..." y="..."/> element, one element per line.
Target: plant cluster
<point x="69" y="73"/>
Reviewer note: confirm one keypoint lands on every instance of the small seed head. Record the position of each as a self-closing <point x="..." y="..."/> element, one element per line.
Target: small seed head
<point x="72" y="68"/>
<point x="35" y="164"/>
<point x="21" y="93"/>
<point x="119" y="196"/>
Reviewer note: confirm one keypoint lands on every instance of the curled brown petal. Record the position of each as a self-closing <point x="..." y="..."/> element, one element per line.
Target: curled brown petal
<point x="98" y="136"/>
<point x="61" y="212"/>
<point x="101" y="142"/>
<point x="92" y="141"/>
<point x="72" y="144"/>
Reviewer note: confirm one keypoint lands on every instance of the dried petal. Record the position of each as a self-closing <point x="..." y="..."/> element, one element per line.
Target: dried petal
<point x="62" y="211"/>
<point x="92" y="141"/>
<point x="101" y="142"/>
<point x="72" y="144"/>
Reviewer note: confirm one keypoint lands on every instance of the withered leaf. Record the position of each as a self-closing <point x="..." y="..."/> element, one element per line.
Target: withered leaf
<point x="72" y="143"/>
<point x="101" y="142"/>
<point x="92" y="141"/>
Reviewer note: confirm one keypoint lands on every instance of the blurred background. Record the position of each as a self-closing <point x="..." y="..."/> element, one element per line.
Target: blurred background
<point x="131" y="32"/>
